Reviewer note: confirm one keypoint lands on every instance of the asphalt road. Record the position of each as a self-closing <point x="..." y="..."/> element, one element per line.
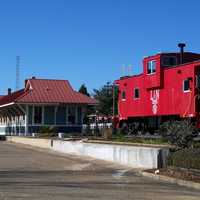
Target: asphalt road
<point x="26" y="173"/>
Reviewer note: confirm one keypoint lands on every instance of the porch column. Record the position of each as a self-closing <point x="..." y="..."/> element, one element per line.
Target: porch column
<point x="15" y="125"/>
<point x="26" y="121"/>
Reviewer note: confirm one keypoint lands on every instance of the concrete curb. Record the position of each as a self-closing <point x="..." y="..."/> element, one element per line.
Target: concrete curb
<point x="167" y="179"/>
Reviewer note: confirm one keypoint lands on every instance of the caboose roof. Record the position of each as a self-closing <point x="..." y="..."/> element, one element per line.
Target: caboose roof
<point x="156" y="56"/>
<point x="171" y="53"/>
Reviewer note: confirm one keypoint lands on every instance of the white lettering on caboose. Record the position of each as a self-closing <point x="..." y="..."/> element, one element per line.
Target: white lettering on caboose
<point x="154" y="97"/>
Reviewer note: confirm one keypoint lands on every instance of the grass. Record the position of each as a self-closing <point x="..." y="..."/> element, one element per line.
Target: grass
<point x="122" y="138"/>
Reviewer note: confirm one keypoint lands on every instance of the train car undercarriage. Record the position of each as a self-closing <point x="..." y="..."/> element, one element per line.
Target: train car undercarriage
<point x="144" y="125"/>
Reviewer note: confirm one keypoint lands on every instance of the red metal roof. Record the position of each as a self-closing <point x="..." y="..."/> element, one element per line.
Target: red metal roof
<point x="47" y="91"/>
<point x="10" y="98"/>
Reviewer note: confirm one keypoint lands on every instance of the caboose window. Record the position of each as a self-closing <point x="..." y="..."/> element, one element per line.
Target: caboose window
<point x="151" y="67"/>
<point x="186" y="85"/>
<point x="123" y="95"/>
<point x="168" y="61"/>
<point x="136" y="93"/>
<point x="198" y="81"/>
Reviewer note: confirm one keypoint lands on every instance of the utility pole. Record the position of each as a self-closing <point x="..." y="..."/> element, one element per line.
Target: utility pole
<point x="17" y="73"/>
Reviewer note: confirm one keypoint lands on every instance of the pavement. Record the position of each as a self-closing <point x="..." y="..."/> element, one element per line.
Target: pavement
<point x="30" y="173"/>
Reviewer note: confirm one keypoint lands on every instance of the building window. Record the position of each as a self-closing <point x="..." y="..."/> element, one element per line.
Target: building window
<point x="169" y="61"/>
<point x="38" y="114"/>
<point x="136" y="93"/>
<point x="186" y="85"/>
<point x="151" y="67"/>
<point x="71" y="115"/>
<point x="61" y="115"/>
<point x="49" y="115"/>
<point x="123" y="95"/>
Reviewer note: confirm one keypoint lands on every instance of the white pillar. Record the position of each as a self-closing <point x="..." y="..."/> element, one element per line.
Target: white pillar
<point x="15" y="125"/>
<point x="26" y="120"/>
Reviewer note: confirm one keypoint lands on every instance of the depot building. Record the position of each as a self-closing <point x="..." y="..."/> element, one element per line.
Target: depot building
<point x="43" y="102"/>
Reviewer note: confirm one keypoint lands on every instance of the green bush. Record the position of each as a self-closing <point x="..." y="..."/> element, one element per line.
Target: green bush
<point x="122" y="138"/>
<point x="119" y="137"/>
<point x="47" y="131"/>
<point x="185" y="158"/>
<point x="179" y="133"/>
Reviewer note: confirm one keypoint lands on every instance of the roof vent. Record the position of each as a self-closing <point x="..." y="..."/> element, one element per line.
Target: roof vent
<point x="33" y="77"/>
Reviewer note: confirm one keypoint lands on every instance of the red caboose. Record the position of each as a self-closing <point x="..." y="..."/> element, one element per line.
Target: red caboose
<point x="168" y="88"/>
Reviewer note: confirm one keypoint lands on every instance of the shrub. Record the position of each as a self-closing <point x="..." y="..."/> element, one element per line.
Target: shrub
<point x="47" y="131"/>
<point x="185" y="158"/>
<point x="122" y="138"/>
<point x="119" y="137"/>
<point x="179" y="133"/>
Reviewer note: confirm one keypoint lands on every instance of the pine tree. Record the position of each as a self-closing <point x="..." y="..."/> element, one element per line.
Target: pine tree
<point x="83" y="90"/>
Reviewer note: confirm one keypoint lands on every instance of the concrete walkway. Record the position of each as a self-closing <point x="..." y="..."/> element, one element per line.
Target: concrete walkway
<point x="26" y="173"/>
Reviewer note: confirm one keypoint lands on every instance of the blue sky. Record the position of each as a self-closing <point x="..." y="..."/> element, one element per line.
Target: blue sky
<point x="88" y="41"/>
